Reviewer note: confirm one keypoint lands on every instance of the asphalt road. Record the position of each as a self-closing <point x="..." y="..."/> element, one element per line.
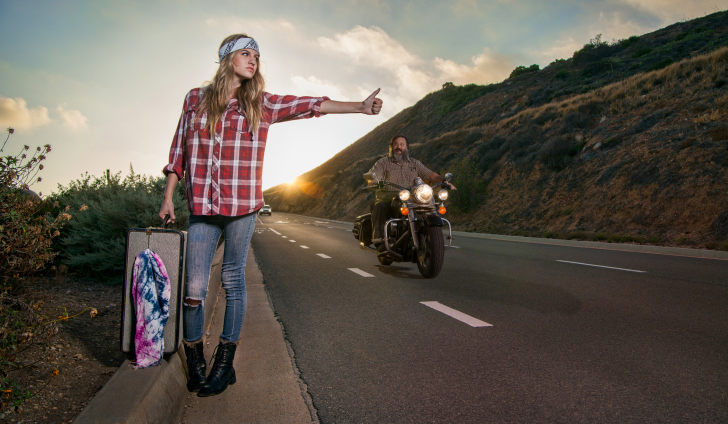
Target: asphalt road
<point x="638" y="338"/>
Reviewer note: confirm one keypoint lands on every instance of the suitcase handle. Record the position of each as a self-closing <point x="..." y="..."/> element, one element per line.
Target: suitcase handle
<point x="166" y="223"/>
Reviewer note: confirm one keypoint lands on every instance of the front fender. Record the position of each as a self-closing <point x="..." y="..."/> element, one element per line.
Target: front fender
<point x="432" y="220"/>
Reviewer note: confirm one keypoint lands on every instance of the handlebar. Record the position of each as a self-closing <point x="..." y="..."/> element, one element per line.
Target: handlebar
<point x="380" y="185"/>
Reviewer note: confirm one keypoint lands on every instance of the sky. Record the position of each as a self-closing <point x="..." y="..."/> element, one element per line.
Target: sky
<point x="103" y="82"/>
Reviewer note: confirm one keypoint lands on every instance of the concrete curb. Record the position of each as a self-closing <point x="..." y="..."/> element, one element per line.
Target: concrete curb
<point x="150" y="395"/>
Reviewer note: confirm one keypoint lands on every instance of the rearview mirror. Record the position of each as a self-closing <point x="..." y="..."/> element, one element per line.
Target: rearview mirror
<point x="448" y="176"/>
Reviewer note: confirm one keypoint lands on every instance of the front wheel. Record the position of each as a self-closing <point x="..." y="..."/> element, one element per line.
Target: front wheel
<point x="431" y="253"/>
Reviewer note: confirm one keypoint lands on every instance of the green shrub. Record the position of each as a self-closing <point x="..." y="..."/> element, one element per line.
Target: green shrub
<point x="662" y="63"/>
<point x="545" y="117"/>
<point x="626" y="42"/>
<point x="471" y="190"/>
<point x="489" y="152"/>
<point x="453" y="97"/>
<point x="641" y="51"/>
<point x="94" y="243"/>
<point x="26" y="228"/>
<point x="520" y="70"/>
<point x="596" y="50"/>
<point x="557" y="152"/>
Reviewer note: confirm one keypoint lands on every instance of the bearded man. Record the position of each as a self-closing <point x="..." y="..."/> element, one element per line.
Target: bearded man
<point x="398" y="168"/>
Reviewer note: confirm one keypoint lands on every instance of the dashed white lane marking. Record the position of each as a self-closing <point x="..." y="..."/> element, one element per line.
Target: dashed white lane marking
<point x="455" y="247"/>
<point x="323" y="256"/>
<point x="467" y="319"/>
<point x="281" y="222"/>
<point x="321" y="222"/>
<point x="292" y="241"/>
<point x="275" y="231"/>
<point x="601" y="266"/>
<point x="360" y="272"/>
<point x="284" y="236"/>
<point x="304" y="247"/>
<point x="329" y="227"/>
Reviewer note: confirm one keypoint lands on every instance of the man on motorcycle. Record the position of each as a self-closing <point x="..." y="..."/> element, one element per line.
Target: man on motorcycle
<point x="398" y="168"/>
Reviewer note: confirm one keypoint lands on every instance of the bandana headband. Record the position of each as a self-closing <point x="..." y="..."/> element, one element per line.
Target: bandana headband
<point x="239" y="44"/>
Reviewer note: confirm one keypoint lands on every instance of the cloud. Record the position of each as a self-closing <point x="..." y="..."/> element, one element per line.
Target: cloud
<point x="371" y="46"/>
<point x="670" y="11"/>
<point x="234" y="24"/>
<point x="313" y="86"/>
<point x="561" y="49"/>
<point x="413" y="77"/>
<point x="487" y="67"/>
<point x="615" y="26"/>
<point x="72" y="118"/>
<point x="15" y="113"/>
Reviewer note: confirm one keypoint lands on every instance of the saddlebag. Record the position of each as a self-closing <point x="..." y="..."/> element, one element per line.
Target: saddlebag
<point x="363" y="229"/>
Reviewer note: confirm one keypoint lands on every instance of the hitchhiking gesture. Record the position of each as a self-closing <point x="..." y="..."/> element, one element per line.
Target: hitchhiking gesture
<point x="218" y="149"/>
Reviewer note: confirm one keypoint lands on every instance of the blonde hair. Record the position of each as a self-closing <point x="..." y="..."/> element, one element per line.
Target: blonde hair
<point x="249" y="94"/>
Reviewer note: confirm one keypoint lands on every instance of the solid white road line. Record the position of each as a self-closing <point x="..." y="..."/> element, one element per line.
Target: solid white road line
<point x="455" y="247"/>
<point x="275" y="231"/>
<point x="467" y="319"/>
<point x="601" y="266"/>
<point x="304" y="247"/>
<point x="323" y="256"/>
<point x="360" y="272"/>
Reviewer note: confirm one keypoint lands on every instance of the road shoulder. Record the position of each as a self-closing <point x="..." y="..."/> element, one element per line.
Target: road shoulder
<point x="268" y="388"/>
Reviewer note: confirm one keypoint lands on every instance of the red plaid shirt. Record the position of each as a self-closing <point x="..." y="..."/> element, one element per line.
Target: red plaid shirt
<point x="224" y="174"/>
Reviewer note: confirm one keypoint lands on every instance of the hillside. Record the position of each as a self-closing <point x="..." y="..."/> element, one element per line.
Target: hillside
<point x="626" y="141"/>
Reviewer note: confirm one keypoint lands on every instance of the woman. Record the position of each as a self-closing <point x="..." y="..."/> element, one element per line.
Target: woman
<point x="220" y="144"/>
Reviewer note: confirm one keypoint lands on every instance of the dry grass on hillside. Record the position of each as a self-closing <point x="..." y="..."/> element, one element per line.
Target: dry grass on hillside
<point x="642" y="159"/>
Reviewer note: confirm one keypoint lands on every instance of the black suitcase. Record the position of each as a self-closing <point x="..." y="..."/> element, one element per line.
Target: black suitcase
<point x="170" y="245"/>
<point x="363" y="229"/>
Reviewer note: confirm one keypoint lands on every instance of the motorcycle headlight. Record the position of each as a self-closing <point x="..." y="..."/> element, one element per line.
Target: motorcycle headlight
<point x="442" y="195"/>
<point x="404" y="195"/>
<point x="423" y="193"/>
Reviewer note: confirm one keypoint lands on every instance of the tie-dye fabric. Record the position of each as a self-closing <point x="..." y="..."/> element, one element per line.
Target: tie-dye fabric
<point x="151" y="291"/>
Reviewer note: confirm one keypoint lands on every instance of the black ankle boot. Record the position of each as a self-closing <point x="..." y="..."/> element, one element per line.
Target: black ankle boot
<point x="195" y="366"/>
<point x="222" y="373"/>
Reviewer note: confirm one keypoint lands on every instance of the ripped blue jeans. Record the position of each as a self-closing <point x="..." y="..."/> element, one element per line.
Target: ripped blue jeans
<point x="202" y="237"/>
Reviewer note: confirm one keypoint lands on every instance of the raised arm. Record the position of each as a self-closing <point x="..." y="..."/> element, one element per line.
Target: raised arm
<point x="371" y="106"/>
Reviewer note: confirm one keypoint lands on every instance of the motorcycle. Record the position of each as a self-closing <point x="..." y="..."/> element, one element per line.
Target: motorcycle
<point x="417" y="235"/>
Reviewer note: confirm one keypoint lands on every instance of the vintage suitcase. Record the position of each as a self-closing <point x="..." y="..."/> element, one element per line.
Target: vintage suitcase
<point x="363" y="229"/>
<point x="170" y="245"/>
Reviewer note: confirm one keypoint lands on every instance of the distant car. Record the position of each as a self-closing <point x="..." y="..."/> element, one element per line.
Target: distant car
<point x="265" y="210"/>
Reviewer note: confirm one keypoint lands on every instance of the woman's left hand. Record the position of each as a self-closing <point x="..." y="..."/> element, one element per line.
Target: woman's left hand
<point x="372" y="105"/>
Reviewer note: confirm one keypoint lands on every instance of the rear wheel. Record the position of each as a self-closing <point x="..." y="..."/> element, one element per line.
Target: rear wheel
<point x="431" y="253"/>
